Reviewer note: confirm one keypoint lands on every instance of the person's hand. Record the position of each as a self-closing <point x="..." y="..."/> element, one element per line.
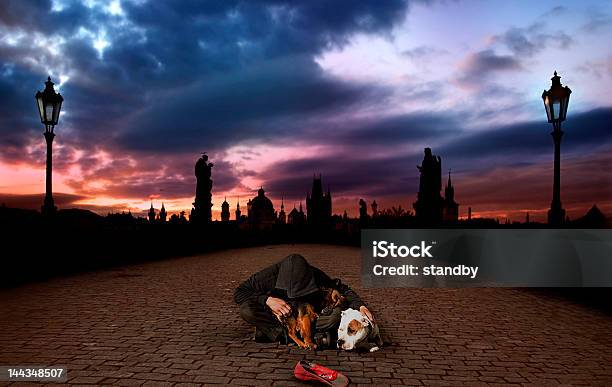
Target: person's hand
<point x="278" y="307"/>
<point x="366" y="312"/>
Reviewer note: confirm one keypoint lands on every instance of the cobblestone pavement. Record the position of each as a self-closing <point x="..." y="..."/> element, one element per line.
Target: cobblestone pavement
<point x="173" y="322"/>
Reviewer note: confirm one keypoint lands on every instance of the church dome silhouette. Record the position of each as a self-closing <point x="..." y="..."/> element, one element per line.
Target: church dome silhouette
<point x="261" y="202"/>
<point x="261" y="209"/>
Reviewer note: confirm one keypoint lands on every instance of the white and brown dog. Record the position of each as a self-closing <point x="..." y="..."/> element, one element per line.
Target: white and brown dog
<point x="356" y="331"/>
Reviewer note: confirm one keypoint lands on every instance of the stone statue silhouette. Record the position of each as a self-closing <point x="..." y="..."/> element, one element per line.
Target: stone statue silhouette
<point x="203" y="169"/>
<point x="363" y="211"/>
<point x="431" y="173"/>
<point x="429" y="204"/>
<point x="201" y="211"/>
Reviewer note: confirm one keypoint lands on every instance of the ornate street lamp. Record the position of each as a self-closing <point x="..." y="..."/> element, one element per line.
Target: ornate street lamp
<point x="556" y="100"/>
<point x="49" y="105"/>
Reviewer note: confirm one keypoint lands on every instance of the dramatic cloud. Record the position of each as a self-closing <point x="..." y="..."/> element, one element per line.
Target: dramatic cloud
<point x="491" y="167"/>
<point x="150" y="78"/>
<point x="148" y="85"/>
<point x="478" y="66"/>
<point x="381" y="133"/>
<point x="527" y="42"/>
<point x="585" y="132"/>
<point x="181" y="76"/>
<point x="257" y="103"/>
<point x="347" y="175"/>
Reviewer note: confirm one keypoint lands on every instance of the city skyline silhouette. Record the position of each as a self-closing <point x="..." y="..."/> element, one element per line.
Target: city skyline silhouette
<point x="354" y="102"/>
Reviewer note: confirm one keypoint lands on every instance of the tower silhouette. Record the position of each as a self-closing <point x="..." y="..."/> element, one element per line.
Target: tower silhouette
<point x="282" y="217"/>
<point x="238" y="212"/>
<point x="151" y="214"/>
<point x="225" y="212"/>
<point x="429" y="205"/>
<point x="318" y="204"/>
<point x="451" y="208"/>
<point x="162" y="214"/>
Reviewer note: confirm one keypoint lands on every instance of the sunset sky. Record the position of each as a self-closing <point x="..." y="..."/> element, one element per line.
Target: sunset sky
<point x="277" y="90"/>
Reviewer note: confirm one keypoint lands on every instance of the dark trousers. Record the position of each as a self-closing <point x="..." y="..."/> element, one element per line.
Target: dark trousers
<point x="261" y="317"/>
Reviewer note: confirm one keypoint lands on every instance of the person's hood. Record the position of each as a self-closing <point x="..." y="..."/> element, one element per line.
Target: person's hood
<point x="296" y="277"/>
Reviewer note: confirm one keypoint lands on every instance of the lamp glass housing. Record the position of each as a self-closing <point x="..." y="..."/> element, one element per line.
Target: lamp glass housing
<point x="556" y="100"/>
<point x="49" y="104"/>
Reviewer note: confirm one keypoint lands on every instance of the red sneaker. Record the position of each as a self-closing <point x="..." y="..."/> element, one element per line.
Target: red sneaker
<point x="310" y="371"/>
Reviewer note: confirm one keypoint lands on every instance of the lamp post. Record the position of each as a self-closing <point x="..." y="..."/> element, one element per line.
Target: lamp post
<point x="556" y="100"/>
<point x="49" y="105"/>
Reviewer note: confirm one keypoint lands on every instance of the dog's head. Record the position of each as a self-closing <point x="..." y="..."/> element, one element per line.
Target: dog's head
<point x="333" y="298"/>
<point x="354" y="328"/>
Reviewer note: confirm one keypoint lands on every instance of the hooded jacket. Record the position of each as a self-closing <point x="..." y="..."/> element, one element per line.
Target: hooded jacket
<point x="291" y="278"/>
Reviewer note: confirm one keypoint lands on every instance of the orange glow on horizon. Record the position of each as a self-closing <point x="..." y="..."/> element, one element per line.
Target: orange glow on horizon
<point x="27" y="179"/>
